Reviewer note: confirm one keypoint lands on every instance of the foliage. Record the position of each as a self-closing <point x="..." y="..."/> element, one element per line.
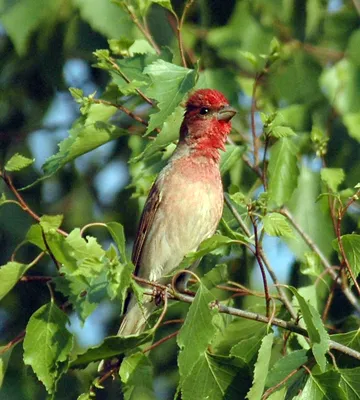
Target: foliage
<point x="123" y="69"/>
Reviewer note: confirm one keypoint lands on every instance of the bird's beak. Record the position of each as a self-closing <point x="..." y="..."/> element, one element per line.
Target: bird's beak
<point x="226" y="113"/>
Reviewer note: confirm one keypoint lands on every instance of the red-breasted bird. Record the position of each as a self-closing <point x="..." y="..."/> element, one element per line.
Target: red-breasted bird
<point x="185" y="203"/>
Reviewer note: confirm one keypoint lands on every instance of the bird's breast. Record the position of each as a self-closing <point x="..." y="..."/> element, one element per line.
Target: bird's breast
<point x="190" y="209"/>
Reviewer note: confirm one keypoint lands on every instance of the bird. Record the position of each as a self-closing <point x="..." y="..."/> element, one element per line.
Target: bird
<point x="185" y="203"/>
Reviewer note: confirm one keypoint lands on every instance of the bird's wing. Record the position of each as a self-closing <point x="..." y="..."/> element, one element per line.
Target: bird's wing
<point x="147" y="218"/>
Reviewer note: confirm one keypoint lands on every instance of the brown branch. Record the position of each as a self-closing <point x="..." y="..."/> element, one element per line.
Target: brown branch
<point x="159" y="342"/>
<point x="275" y="387"/>
<point x="22" y="202"/>
<point x="274" y="321"/>
<point x="180" y="24"/>
<point x="279" y="288"/>
<point x="259" y="260"/>
<point x="32" y="278"/>
<point x="6" y="178"/>
<point x="326" y="264"/>
<point x="126" y="79"/>
<point x="121" y="108"/>
<point x="19" y="338"/>
<point x="143" y="29"/>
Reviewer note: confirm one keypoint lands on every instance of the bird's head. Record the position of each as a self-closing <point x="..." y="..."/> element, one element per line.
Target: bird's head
<point x="207" y="120"/>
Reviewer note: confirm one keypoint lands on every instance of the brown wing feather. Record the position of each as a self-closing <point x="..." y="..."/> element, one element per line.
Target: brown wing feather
<point x="147" y="217"/>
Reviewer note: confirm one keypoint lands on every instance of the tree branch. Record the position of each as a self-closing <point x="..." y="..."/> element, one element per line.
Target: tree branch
<point x="326" y="264"/>
<point x="274" y="321"/>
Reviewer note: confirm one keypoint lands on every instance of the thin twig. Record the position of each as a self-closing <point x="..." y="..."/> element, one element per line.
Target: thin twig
<point x="275" y="321"/>
<point x="347" y="292"/>
<point x="144" y="30"/>
<point x="180" y="24"/>
<point x="19" y="338"/>
<point x="259" y="260"/>
<point x="121" y="108"/>
<point x="159" y="342"/>
<point x="6" y="178"/>
<point x="126" y="79"/>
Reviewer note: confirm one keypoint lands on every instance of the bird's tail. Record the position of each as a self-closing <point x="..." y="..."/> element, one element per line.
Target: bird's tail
<point x="136" y="318"/>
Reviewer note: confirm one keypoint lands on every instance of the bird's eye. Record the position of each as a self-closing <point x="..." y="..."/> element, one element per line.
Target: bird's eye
<point x="204" y="111"/>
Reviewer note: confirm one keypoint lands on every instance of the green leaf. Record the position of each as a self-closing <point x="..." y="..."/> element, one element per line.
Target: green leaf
<point x="112" y="346"/>
<point x="261" y="368"/>
<point x="282" y="132"/>
<point x="276" y="224"/>
<point x="21" y="18"/>
<point x="88" y="132"/>
<point x="137" y="376"/>
<point x="319" y="338"/>
<point x="215" y="378"/>
<point x="309" y="215"/>
<point x="218" y="274"/>
<point x="49" y="223"/>
<point x="207" y="246"/>
<point x="10" y="274"/>
<point x="241" y="339"/>
<point x="168" y="134"/>
<point x="333" y="177"/>
<point x="117" y="233"/>
<point x="231" y="157"/>
<point x="350" y="383"/>
<point x="312" y="266"/>
<point x="283" y="171"/>
<point x="4" y="360"/>
<point x="196" y="332"/>
<point x="18" y="162"/>
<point x="282" y="368"/>
<point x="170" y="84"/>
<point x="164" y="3"/>
<point x="119" y="279"/>
<point x="104" y="17"/>
<point x="47" y="345"/>
<point x="323" y="387"/>
<point x="350" y="339"/>
<point x="353" y="47"/>
<point x="351" y="244"/>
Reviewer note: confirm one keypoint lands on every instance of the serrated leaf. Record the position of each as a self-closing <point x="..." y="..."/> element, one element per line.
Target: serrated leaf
<point x="283" y="171"/>
<point x="206" y="247"/>
<point x="261" y="368"/>
<point x="2" y="199"/>
<point x="47" y="345"/>
<point x="333" y="177"/>
<point x="10" y="274"/>
<point x="312" y="266"/>
<point x="351" y="244"/>
<point x="49" y="223"/>
<point x="282" y="368"/>
<point x="323" y="387"/>
<point x="196" y="332"/>
<point x="241" y="339"/>
<point x="112" y="346"/>
<point x="88" y="132"/>
<point x="319" y="338"/>
<point x="4" y="360"/>
<point x="168" y="134"/>
<point x="137" y="377"/>
<point x="119" y="279"/>
<point x="106" y="18"/>
<point x="117" y="233"/>
<point x="18" y="162"/>
<point x="352" y="122"/>
<point x="218" y="274"/>
<point x="350" y="383"/>
<point x="350" y="339"/>
<point x="276" y="224"/>
<point x="170" y="84"/>
<point x="231" y="156"/>
<point x="282" y="132"/>
<point x="215" y="378"/>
